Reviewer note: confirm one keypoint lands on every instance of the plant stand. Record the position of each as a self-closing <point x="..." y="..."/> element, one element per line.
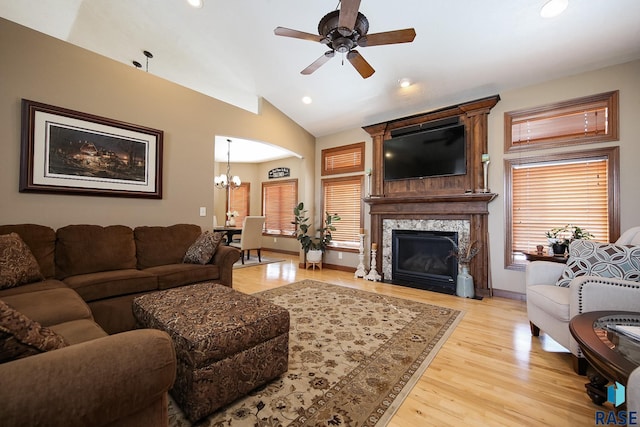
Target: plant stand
<point x="313" y="265"/>
<point x="313" y="260"/>
<point x="373" y="274"/>
<point x="360" y="270"/>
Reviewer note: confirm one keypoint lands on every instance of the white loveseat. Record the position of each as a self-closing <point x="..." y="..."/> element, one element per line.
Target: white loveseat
<point x="551" y="307"/>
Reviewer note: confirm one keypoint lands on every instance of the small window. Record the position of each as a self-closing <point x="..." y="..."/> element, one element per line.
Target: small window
<point x="577" y="121"/>
<point x="278" y="200"/>
<point x="344" y="159"/>
<point x="240" y="201"/>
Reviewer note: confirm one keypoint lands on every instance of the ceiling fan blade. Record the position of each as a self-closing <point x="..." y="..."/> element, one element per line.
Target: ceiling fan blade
<point x="389" y="37"/>
<point x="318" y="62"/>
<point x="288" y="32"/>
<point x="348" y="13"/>
<point x="360" y="64"/>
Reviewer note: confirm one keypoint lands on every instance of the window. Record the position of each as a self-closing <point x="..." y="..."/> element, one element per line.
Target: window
<point x="278" y="200"/>
<point x="344" y="197"/>
<point x="344" y="159"/>
<point x="544" y="192"/>
<point x="240" y="201"/>
<point x="577" y="121"/>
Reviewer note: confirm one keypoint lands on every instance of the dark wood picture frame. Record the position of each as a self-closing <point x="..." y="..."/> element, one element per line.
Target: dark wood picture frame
<point x="70" y="152"/>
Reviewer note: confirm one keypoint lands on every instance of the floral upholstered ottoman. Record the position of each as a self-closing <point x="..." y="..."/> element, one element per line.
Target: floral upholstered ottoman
<point x="227" y="343"/>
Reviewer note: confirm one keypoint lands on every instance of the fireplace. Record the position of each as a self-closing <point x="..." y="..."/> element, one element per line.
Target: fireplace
<point x="423" y="259"/>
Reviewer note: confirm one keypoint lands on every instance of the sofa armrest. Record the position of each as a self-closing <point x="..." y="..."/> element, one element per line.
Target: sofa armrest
<point x="591" y="293"/>
<point x="92" y="383"/>
<point x="543" y="273"/>
<point x="224" y="258"/>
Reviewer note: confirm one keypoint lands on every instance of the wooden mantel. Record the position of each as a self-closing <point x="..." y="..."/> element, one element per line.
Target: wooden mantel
<point x="451" y="197"/>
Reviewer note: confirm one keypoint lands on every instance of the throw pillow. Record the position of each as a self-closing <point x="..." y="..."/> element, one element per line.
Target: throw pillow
<point x="18" y="266"/>
<point x="22" y="337"/>
<point x="203" y="249"/>
<point x="588" y="258"/>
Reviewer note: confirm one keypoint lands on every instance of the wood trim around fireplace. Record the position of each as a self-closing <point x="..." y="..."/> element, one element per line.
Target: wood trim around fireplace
<point x="438" y="198"/>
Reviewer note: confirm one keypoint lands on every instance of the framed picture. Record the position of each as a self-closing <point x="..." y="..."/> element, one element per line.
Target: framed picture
<point x="66" y="151"/>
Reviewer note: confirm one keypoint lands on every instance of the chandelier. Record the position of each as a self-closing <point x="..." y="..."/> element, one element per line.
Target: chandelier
<point x="227" y="181"/>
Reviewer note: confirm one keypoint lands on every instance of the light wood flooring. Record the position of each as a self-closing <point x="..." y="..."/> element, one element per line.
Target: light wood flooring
<point x="490" y="372"/>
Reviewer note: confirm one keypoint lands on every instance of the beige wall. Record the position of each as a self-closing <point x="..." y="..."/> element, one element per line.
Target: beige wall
<point x="41" y="68"/>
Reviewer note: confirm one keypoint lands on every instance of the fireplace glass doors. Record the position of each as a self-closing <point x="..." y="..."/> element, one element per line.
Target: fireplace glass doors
<point x="424" y="259"/>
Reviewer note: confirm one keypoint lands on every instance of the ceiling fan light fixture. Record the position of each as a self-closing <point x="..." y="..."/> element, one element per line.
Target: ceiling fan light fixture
<point x="553" y="8"/>
<point x="404" y="82"/>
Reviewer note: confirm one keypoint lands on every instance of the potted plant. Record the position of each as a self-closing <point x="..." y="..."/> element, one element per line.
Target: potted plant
<point x="559" y="238"/>
<point x="313" y="247"/>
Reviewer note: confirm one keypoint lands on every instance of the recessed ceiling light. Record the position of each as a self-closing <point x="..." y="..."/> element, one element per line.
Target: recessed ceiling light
<point x="196" y="3"/>
<point x="553" y="8"/>
<point x="307" y="100"/>
<point x="405" y="83"/>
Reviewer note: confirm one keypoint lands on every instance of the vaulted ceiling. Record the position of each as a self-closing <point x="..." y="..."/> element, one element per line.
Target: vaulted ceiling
<point x="464" y="49"/>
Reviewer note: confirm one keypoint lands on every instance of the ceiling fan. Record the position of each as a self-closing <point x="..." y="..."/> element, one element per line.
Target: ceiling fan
<point x="342" y="31"/>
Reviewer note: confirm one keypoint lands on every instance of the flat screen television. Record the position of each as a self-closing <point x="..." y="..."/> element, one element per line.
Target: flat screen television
<point x="434" y="152"/>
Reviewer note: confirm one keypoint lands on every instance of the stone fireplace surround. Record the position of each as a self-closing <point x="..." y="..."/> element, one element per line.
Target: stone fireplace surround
<point x="462" y="227"/>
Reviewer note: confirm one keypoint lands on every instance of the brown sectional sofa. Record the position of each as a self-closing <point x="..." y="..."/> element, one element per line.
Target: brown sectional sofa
<point x="110" y="374"/>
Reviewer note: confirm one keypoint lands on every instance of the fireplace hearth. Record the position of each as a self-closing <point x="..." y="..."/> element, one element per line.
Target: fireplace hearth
<point x="423" y="259"/>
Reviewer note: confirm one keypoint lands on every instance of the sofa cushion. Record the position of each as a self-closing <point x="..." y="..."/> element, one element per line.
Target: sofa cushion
<point x="107" y="284"/>
<point x="33" y="287"/>
<point x="51" y="306"/>
<point x="18" y="266"/>
<point x="164" y="245"/>
<point x="42" y="242"/>
<point x="21" y="337"/>
<point x="588" y="258"/>
<point x="203" y="249"/>
<point x="83" y="249"/>
<point x="77" y="331"/>
<point x="173" y="275"/>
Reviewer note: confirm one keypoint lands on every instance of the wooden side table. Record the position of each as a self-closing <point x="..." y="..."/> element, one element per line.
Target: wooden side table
<point x="536" y="256"/>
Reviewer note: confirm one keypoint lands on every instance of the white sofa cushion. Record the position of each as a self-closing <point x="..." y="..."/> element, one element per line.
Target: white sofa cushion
<point x="588" y="258"/>
<point x="553" y="300"/>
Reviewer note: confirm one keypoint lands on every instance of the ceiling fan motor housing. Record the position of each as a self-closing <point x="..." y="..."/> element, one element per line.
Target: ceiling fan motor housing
<point x="342" y="39"/>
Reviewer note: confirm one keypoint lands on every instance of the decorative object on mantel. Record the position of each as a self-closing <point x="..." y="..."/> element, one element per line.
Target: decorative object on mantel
<point x="373" y="274"/>
<point x="360" y="270"/>
<point x="226" y="181"/>
<point x="464" y="284"/>
<point x="368" y="174"/>
<point x="559" y="238"/>
<point x="485" y="170"/>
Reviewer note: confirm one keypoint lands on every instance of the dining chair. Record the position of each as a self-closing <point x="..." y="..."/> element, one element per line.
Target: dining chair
<point x="251" y="238"/>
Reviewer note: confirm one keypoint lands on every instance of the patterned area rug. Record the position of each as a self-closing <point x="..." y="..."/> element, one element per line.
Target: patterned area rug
<point x="353" y="358"/>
